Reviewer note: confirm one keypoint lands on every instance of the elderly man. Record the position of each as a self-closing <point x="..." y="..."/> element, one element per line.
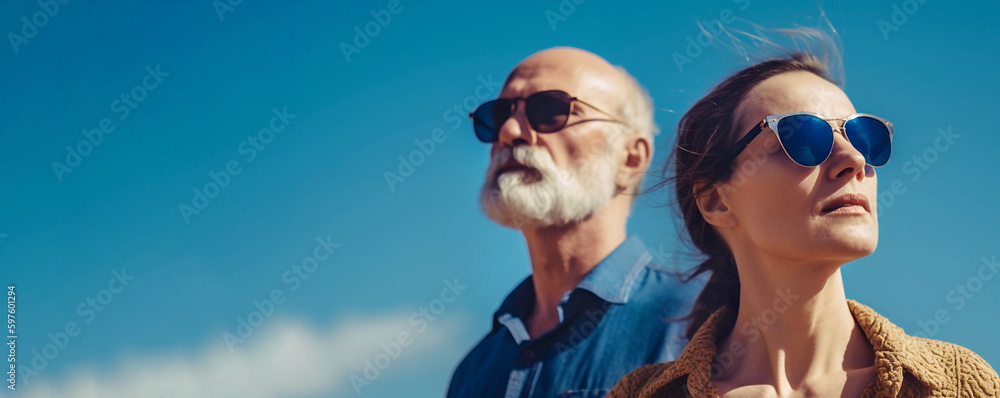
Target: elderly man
<point x="572" y="136"/>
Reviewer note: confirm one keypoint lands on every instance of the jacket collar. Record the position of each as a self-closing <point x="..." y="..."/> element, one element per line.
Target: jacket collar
<point x="895" y="354"/>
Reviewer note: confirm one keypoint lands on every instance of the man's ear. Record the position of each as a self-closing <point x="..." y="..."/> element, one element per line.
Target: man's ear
<point x="713" y="202"/>
<point x="637" y="156"/>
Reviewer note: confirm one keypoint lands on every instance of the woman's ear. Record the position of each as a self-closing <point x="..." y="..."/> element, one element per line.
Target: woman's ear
<point x="713" y="202"/>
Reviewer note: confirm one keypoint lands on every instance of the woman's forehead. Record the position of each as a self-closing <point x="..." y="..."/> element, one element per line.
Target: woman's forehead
<point x="794" y="92"/>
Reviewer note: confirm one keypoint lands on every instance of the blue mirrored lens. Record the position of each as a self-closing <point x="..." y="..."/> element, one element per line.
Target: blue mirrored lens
<point x="870" y="137"/>
<point x="807" y="139"/>
<point x="483" y="122"/>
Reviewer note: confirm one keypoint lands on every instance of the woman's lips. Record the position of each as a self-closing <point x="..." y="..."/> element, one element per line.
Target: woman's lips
<point x="846" y="200"/>
<point x="847" y="210"/>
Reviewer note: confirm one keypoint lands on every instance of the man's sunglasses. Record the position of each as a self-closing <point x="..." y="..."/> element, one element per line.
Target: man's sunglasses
<point x="546" y="111"/>
<point x="807" y="138"/>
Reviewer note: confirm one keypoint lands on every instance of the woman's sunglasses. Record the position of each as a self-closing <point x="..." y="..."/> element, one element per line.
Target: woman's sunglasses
<point x="807" y="138"/>
<point x="546" y="111"/>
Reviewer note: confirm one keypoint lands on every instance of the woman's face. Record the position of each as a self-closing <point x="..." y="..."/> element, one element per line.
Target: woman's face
<point x="780" y="208"/>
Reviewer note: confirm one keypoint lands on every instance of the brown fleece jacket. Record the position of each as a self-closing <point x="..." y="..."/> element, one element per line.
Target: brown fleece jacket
<point x="905" y="366"/>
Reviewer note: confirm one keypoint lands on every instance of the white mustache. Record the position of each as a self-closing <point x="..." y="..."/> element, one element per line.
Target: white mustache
<point x="552" y="196"/>
<point x="531" y="157"/>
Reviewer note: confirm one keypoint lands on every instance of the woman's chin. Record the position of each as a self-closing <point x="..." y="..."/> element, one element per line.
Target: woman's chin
<point x="843" y="243"/>
<point x="853" y="247"/>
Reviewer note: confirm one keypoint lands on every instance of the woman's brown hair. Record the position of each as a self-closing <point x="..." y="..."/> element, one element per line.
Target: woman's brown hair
<point x="705" y="134"/>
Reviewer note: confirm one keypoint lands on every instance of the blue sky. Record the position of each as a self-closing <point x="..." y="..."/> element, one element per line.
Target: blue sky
<point x="311" y="200"/>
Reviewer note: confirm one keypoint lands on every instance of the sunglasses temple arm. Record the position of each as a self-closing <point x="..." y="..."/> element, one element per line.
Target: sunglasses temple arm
<point x="743" y="142"/>
<point x="608" y="114"/>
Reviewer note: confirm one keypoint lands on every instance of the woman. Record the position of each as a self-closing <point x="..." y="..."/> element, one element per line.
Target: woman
<point x="776" y="183"/>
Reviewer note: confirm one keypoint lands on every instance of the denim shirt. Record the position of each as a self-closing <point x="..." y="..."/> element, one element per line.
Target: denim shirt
<point x="622" y="315"/>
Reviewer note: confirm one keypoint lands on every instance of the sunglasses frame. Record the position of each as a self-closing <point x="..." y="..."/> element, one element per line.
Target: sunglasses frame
<point x="516" y="100"/>
<point x="771" y="122"/>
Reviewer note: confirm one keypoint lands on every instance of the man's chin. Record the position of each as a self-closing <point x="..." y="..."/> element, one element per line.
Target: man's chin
<point x="519" y="223"/>
<point x="510" y="202"/>
<point x="506" y="214"/>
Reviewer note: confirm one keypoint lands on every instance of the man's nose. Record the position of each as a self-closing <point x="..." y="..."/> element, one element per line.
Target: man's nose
<point x="516" y="130"/>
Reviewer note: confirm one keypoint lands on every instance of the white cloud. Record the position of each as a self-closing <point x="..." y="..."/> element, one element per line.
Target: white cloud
<point x="285" y="358"/>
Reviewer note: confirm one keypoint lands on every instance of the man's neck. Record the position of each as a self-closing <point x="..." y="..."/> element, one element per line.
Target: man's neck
<point x="561" y="257"/>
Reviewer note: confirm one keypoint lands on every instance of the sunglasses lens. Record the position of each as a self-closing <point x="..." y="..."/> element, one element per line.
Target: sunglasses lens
<point x="870" y="137"/>
<point x="547" y="111"/>
<point x="807" y="139"/>
<point x="486" y="119"/>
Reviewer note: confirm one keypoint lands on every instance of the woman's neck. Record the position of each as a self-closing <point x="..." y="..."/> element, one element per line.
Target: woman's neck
<point x="794" y="331"/>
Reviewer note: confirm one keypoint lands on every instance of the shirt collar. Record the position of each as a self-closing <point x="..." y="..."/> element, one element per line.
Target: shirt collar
<point x="518" y="302"/>
<point x="612" y="279"/>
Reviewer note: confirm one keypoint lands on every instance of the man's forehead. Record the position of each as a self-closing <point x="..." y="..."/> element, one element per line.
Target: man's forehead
<point x="575" y="79"/>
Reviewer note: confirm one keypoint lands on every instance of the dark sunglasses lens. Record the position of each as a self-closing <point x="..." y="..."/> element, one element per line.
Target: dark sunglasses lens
<point x="870" y="137"/>
<point x="548" y="111"/>
<point x="484" y="121"/>
<point x="807" y="139"/>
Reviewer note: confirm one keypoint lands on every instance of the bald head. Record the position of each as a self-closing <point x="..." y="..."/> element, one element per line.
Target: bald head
<point x="579" y="72"/>
<point x="585" y="75"/>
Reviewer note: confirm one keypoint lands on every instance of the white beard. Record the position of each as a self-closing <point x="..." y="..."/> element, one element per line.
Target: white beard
<point x="546" y="196"/>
